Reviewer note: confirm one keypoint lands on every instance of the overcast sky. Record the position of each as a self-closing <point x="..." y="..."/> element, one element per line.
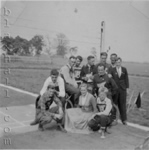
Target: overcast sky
<point x="126" y="29"/>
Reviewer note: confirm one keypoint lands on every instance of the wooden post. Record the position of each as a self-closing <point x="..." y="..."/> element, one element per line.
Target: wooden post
<point x="102" y="42"/>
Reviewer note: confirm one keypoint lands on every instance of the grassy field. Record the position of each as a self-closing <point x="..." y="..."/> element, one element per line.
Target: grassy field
<point x="29" y="74"/>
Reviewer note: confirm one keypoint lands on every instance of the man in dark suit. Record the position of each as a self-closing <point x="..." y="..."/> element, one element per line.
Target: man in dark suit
<point x="87" y="72"/>
<point x="120" y="76"/>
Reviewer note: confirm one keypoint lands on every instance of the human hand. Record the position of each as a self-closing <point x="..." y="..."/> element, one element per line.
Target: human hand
<point x="91" y="77"/>
<point x="85" y="78"/>
<point x="109" y="75"/>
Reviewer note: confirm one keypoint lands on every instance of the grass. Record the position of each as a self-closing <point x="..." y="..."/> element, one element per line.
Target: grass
<point x="30" y="74"/>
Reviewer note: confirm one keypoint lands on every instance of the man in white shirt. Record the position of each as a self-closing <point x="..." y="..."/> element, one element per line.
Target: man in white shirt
<point x="68" y="75"/>
<point x="59" y="89"/>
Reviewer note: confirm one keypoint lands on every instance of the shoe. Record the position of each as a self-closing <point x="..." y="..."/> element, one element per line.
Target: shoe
<point x="34" y="123"/>
<point x="124" y="122"/>
<point x="40" y="127"/>
<point x="114" y="123"/>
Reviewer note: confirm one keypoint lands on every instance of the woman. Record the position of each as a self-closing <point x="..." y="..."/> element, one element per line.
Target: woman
<point x="76" y="119"/>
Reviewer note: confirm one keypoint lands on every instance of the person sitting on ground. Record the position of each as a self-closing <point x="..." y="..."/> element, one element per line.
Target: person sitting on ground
<point x="77" y="69"/>
<point x="76" y="119"/>
<point x="103" y="118"/>
<point x="71" y="86"/>
<point x="87" y="72"/>
<point x="48" y="116"/>
<point x="59" y="88"/>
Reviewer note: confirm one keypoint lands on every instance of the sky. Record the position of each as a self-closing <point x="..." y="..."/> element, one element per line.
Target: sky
<point x="126" y="24"/>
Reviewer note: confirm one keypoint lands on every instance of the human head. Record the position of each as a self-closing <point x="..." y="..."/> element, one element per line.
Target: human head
<point x="50" y="90"/>
<point x="101" y="69"/>
<point x="102" y="92"/>
<point x="118" y="62"/>
<point x="91" y="60"/>
<point x="72" y="61"/>
<point x="79" y="59"/>
<point x="83" y="89"/>
<point x="113" y="58"/>
<point x="54" y="75"/>
<point x="103" y="57"/>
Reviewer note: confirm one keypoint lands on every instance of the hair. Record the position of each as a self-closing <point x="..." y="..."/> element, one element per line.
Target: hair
<point x="103" y="54"/>
<point x="72" y="57"/>
<point x="50" y="86"/>
<point x="83" y="85"/>
<point x="54" y="72"/>
<point x="103" y="90"/>
<point x="101" y="65"/>
<point x="90" y="57"/>
<point x="119" y="58"/>
<point x="114" y="54"/>
<point x="80" y="58"/>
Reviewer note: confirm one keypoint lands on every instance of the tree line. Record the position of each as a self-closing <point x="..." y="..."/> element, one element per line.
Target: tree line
<point x="36" y="45"/>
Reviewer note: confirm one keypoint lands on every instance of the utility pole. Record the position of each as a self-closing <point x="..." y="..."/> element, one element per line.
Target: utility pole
<point x="102" y="40"/>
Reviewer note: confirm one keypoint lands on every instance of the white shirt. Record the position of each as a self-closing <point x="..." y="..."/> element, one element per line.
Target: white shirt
<point x="68" y="76"/>
<point x="119" y="71"/>
<point x="59" y="83"/>
<point x="108" y="106"/>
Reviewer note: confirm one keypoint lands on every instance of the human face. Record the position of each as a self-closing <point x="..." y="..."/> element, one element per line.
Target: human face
<point x="113" y="59"/>
<point x="83" y="91"/>
<point x="102" y="96"/>
<point x="72" y="62"/>
<point x="50" y="92"/>
<point x="78" y="62"/>
<point x="118" y="63"/>
<point x="91" y="61"/>
<point x="103" y="59"/>
<point x="101" y="70"/>
<point x="54" y="78"/>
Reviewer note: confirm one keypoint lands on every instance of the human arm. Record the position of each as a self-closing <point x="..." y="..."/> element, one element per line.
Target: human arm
<point x="126" y="78"/>
<point x="94" y="104"/>
<point x="66" y="74"/>
<point x="61" y="85"/>
<point x="107" y="109"/>
<point x="60" y="109"/>
<point x="45" y="85"/>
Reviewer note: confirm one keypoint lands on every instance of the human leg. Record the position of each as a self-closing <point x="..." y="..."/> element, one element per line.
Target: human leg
<point x="73" y="91"/>
<point x="36" y="112"/>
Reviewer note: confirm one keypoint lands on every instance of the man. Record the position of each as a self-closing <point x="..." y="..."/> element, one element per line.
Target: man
<point x="113" y="58"/>
<point x="87" y="72"/>
<point x="103" y="80"/>
<point x="59" y="89"/>
<point x="103" y="60"/>
<point x="77" y="69"/>
<point x="120" y="76"/>
<point x="71" y="85"/>
<point x="48" y="117"/>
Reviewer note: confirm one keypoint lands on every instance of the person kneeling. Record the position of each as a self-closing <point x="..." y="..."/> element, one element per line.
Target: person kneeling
<point x="102" y="119"/>
<point x="49" y="117"/>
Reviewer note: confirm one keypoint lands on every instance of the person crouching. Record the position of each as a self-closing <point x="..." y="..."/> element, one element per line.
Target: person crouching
<point x="48" y="116"/>
<point x="102" y="119"/>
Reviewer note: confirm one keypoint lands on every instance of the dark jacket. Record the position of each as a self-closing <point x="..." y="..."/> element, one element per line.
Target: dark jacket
<point x="122" y="81"/>
<point x="86" y="70"/>
<point x="109" y="83"/>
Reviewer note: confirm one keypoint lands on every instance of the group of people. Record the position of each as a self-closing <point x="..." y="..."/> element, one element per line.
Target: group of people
<point x="94" y="89"/>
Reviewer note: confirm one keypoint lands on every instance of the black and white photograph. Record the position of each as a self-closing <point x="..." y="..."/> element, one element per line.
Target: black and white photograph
<point x="74" y="74"/>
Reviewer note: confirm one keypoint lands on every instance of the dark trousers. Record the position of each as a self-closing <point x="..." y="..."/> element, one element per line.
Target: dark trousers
<point x="71" y="90"/>
<point x="99" y="121"/>
<point x="121" y="102"/>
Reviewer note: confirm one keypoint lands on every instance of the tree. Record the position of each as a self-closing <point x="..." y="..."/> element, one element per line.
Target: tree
<point x="48" y="47"/>
<point x="38" y="43"/>
<point x="94" y="52"/>
<point x="21" y="46"/>
<point x="61" y="44"/>
<point x="73" y="50"/>
<point x="7" y="44"/>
